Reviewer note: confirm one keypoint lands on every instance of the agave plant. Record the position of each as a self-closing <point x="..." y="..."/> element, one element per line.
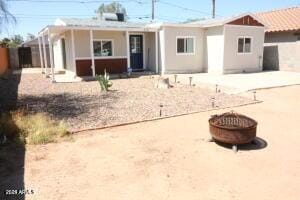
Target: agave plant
<point x="104" y="81"/>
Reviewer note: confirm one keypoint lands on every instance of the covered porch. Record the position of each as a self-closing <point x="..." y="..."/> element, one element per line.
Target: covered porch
<point x="88" y="51"/>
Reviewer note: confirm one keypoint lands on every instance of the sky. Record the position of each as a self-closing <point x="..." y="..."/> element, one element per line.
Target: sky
<point x="33" y="15"/>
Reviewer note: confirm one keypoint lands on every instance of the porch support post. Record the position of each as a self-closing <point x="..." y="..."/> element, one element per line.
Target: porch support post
<point x="128" y="51"/>
<point x="45" y="56"/>
<point x="41" y="55"/>
<point x="163" y="51"/>
<point x="73" y="51"/>
<point x="51" y="55"/>
<point x="156" y="52"/>
<point x="92" y="52"/>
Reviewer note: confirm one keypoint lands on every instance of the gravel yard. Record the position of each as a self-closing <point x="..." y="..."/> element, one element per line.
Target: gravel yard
<point x="83" y="105"/>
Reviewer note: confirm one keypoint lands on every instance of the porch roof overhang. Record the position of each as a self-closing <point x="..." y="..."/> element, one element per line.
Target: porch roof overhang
<point x="58" y="29"/>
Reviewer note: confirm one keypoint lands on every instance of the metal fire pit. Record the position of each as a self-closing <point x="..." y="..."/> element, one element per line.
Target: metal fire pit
<point x="232" y="128"/>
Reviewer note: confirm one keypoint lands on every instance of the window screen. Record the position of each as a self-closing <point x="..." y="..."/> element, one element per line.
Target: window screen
<point x="185" y="45"/>
<point x="180" y="45"/>
<point x="103" y="48"/>
<point x="190" y="45"/>
<point x="244" y="45"/>
<point x="97" y="48"/>
<point x="247" y="45"/>
<point x="241" y="45"/>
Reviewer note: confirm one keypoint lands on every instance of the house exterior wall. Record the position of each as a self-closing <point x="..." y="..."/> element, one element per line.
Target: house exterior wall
<point x="181" y="63"/>
<point x="117" y="63"/>
<point x="69" y="55"/>
<point x="58" y="55"/>
<point x="161" y="51"/>
<point x="282" y="51"/>
<point x="247" y="62"/>
<point x="119" y="41"/>
<point x="83" y="52"/>
<point x="150" y="51"/>
<point x="35" y="55"/>
<point x="82" y="43"/>
<point x="213" y="50"/>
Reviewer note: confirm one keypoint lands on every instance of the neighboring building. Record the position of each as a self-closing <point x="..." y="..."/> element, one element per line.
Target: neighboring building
<point x="85" y="47"/>
<point x="282" y="39"/>
<point x="33" y="46"/>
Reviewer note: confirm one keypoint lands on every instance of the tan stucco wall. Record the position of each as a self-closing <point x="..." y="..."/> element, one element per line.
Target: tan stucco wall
<point x="119" y="40"/>
<point x="282" y="51"/>
<point x="183" y="63"/>
<point x="58" y="54"/>
<point x="213" y="54"/>
<point x="150" y="51"/>
<point x="82" y="43"/>
<point x="69" y="54"/>
<point x="82" y="46"/>
<point x="237" y="63"/>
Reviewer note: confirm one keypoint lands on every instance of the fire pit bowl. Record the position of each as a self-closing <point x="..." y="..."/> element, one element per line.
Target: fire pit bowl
<point x="232" y="128"/>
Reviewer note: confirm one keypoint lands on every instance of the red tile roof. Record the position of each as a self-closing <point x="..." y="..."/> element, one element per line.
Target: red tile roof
<point x="281" y="20"/>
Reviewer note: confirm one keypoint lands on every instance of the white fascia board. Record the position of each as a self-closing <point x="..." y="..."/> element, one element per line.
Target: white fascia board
<point x="62" y="27"/>
<point x="30" y="42"/>
<point x="244" y="26"/>
<point x="103" y="28"/>
<point x="43" y="31"/>
<point x="181" y="25"/>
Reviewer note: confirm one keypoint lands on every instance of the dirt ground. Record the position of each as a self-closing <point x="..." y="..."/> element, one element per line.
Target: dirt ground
<point x="171" y="159"/>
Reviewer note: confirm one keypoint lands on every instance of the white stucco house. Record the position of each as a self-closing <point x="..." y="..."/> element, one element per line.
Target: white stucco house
<point x="85" y="47"/>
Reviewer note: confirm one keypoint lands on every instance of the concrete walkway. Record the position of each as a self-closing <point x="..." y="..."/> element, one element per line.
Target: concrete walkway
<point x="171" y="159"/>
<point x="237" y="83"/>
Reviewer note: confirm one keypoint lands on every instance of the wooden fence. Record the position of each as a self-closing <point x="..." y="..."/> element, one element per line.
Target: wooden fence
<point x="21" y="57"/>
<point x="4" y="61"/>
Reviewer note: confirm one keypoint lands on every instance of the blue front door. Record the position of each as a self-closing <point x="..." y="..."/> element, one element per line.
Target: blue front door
<point x="136" y="52"/>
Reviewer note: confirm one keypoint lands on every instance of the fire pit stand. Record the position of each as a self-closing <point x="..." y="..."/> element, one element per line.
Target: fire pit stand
<point x="232" y="128"/>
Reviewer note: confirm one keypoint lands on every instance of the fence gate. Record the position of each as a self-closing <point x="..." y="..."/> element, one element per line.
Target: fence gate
<point x="24" y="54"/>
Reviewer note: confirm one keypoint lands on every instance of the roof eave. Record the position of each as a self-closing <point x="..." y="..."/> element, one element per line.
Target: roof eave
<point x="243" y="15"/>
<point x="282" y="30"/>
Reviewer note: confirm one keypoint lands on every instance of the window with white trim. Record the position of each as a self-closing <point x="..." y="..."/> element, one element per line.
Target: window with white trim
<point x="185" y="45"/>
<point x="103" y="48"/>
<point x="244" y="44"/>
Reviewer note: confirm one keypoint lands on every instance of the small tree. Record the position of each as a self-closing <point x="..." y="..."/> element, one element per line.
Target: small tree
<point x="12" y="42"/>
<point x="15" y="41"/>
<point x="30" y="36"/>
<point x="5" y="16"/>
<point x="113" y="7"/>
<point x="5" y="42"/>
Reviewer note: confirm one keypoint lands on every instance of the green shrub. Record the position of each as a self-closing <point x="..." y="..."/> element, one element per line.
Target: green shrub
<point x="33" y="128"/>
<point x="104" y="81"/>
